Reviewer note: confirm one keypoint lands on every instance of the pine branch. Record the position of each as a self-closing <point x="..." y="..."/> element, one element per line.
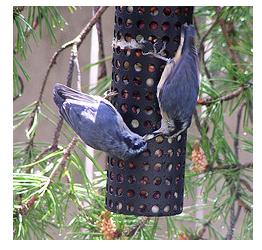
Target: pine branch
<point x="73" y="62"/>
<point x="202" y="230"/>
<point x="228" y="28"/>
<point x="25" y="208"/>
<point x="22" y="87"/>
<point x="236" y="140"/>
<point x="66" y="156"/>
<point x="233" y="221"/>
<point x="101" y="53"/>
<point x="77" y="41"/>
<point x="246" y="184"/>
<point x="202" y="51"/>
<point x="219" y="167"/>
<point x="203" y="38"/>
<point x="209" y="100"/>
<point x="18" y="9"/>
<point x="231" y="166"/>
<point x="27" y="32"/>
<point x="244" y="204"/>
<point x="197" y="122"/>
<point x="133" y="231"/>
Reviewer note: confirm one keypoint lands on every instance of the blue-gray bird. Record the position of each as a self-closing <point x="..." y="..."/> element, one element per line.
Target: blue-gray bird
<point x="177" y="90"/>
<point x="97" y="123"/>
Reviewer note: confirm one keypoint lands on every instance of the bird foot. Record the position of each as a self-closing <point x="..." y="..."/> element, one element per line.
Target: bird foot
<point x="158" y="54"/>
<point x="108" y="94"/>
<point x="178" y="133"/>
<point x="149" y="137"/>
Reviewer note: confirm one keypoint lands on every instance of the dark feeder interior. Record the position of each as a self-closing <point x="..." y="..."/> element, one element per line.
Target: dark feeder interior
<point x="151" y="184"/>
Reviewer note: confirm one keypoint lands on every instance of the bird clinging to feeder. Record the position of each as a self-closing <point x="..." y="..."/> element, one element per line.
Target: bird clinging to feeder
<point x="97" y="122"/>
<point x="177" y="90"/>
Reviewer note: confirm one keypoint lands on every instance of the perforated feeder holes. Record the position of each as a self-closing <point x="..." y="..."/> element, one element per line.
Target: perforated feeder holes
<point x="151" y="184"/>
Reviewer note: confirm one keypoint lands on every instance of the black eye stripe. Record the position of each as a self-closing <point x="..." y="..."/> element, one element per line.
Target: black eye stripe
<point x="128" y="141"/>
<point x="141" y="144"/>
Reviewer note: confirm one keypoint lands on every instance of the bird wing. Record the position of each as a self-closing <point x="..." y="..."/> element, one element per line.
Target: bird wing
<point x="71" y="101"/>
<point x="65" y="92"/>
<point x="76" y="112"/>
<point x="178" y="95"/>
<point x="95" y="120"/>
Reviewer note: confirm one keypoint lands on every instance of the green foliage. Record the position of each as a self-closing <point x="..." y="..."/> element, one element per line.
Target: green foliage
<point x="26" y="26"/>
<point x="53" y="199"/>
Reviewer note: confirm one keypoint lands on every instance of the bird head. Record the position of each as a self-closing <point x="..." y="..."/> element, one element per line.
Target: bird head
<point x="135" y="143"/>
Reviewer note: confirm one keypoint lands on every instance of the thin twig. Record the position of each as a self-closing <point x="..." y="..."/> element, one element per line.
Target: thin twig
<point x="18" y="9"/>
<point x="236" y="140"/>
<point x="234" y="56"/>
<point x="27" y="32"/>
<point x="70" y="71"/>
<point x="220" y="166"/>
<point x="76" y="63"/>
<point x="73" y="61"/>
<point x="202" y="53"/>
<point x="203" y="38"/>
<point x="24" y="208"/>
<point x="38" y="102"/>
<point x="101" y="53"/>
<point x="77" y="41"/>
<point x="233" y="221"/>
<point x="22" y="88"/>
<point x="243" y="204"/>
<point x="202" y="230"/>
<point x="231" y="166"/>
<point x="133" y="231"/>
<point x="66" y="155"/>
<point x="246" y="184"/>
<point x="197" y="122"/>
<point x="228" y="28"/>
<point x="209" y="100"/>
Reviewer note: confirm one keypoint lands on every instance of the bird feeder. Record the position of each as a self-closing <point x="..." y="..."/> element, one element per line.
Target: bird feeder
<point x="152" y="183"/>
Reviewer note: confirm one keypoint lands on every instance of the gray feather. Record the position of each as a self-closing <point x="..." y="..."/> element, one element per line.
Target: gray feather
<point x="97" y="123"/>
<point x="178" y="96"/>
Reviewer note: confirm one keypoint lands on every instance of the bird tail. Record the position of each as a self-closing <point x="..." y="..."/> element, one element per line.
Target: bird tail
<point x="62" y="92"/>
<point x="189" y="33"/>
<point x="58" y="94"/>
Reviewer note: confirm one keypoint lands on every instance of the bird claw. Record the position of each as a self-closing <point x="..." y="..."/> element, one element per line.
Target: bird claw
<point x="158" y="54"/>
<point x="161" y="50"/>
<point x="108" y="94"/>
<point x="149" y="137"/>
<point x="178" y="133"/>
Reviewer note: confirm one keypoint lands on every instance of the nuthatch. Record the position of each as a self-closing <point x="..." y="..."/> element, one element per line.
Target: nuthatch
<point x="97" y="123"/>
<point x="178" y="87"/>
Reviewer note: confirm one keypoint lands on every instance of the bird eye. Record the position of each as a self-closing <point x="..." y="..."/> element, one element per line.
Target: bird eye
<point x="128" y="141"/>
<point x="139" y="145"/>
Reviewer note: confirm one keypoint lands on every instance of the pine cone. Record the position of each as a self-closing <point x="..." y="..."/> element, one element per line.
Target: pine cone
<point x="107" y="226"/>
<point x="199" y="160"/>
<point x="182" y="236"/>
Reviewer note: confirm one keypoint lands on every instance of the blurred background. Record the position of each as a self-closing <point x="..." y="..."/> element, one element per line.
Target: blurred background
<point x="218" y="194"/>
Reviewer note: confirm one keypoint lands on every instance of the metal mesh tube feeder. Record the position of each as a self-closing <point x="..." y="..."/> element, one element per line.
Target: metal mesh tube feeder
<point x="152" y="183"/>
